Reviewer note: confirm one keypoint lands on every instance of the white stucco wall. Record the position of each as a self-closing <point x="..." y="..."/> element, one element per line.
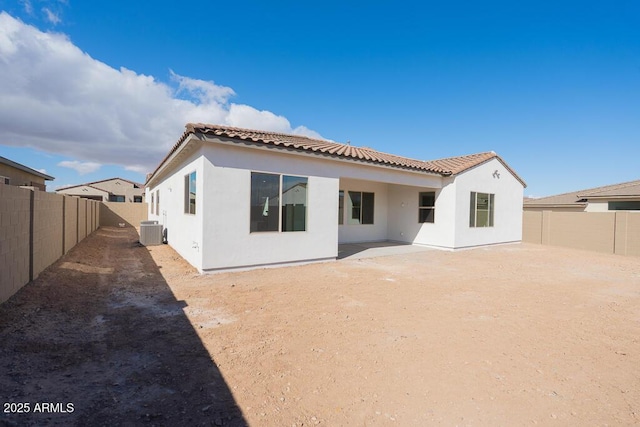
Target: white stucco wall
<point x="227" y="240"/>
<point x="184" y="231"/>
<point x="508" y="206"/>
<point x="403" y="216"/>
<point x="354" y="233"/>
<point x="218" y="236"/>
<point x="599" y="206"/>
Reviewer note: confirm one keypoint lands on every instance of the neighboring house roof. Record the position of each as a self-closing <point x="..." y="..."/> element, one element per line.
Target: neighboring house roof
<point x="24" y="168"/>
<point x="445" y="167"/>
<point x="580" y="198"/>
<point x="93" y="184"/>
<point x="86" y="185"/>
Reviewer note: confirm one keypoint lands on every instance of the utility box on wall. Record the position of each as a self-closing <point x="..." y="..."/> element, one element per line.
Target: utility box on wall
<point x="150" y="234"/>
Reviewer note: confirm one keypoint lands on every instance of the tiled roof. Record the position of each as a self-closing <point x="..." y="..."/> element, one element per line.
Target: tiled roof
<point x="631" y="189"/>
<point x="578" y="198"/>
<point x="445" y="167"/>
<point x="93" y="184"/>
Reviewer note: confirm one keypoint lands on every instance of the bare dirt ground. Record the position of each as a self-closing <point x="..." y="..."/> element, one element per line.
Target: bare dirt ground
<point x="507" y="335"/>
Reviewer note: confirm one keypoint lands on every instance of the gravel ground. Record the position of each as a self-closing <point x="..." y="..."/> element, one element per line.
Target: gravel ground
<point x="506" y="335"/>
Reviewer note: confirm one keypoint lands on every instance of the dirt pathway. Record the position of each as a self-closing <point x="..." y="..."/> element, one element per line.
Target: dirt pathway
<point x="101" y="331"/>
<point x="507" y="335"/>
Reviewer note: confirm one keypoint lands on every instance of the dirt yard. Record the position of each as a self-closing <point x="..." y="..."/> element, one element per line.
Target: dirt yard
<point x="507" y="335"/>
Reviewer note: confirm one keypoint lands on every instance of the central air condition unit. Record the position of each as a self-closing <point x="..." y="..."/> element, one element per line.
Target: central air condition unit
<point x="150" y="234"/>
<point x="148" y="221"/>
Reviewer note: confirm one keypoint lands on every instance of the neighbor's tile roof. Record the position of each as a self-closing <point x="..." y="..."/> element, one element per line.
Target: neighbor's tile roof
<point x="625" y="189"/>
<point x="93" y="184"/>
<point x="445" y="167"/>
<point x="631" y="189"/>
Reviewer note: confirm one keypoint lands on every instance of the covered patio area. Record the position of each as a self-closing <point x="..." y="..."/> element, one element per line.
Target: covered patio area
<point x="377" y="249"/>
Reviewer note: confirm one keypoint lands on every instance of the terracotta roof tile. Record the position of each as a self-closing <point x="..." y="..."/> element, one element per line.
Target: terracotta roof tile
<point x="445" y="167"/>
<point x="578" y="198"/>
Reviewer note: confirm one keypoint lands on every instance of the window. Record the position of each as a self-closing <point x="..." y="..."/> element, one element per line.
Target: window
<point x="294" y="203"/>
<point x="153" y="203"/>
<point x="116" y="198"/>
<point x="189" y="193"/>
<point x="158" y="202"/>
<point x="624" y="206"/>
<point x="278" y="202"/>
<point x="137" y="199"/>
<point x="5" y="179"/>
<point x="427" y="206"/>
<point x="361" y="207"/>
<point x="340" y="207"/>
<point x="481" y="210"/>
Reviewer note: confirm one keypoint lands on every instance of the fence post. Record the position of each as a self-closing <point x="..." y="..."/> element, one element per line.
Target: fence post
<point x="31" y="220"/>
<point x="546" y="228"/>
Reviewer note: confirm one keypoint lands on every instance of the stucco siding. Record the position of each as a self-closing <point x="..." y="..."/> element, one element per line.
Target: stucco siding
<point x="403" y="216"/>
<point x="227" y="239"/>
<point x="508" y="193"/>
<point x="350" y="232"/>
<point x="184" y="231"/>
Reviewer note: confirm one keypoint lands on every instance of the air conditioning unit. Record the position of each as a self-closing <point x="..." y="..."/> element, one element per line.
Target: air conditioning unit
<point x="150" y="234"/>
<point x="148" y="221"/>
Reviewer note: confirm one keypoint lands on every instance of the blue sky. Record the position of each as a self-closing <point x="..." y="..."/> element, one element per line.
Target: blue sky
<point x="94" y="90"/>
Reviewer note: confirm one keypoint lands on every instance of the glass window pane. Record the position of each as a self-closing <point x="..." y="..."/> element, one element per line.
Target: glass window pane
<point x="428" y="199"/>
<point x="294" y="203"/>
<point x="624" y="206"/>
<point x="355" y="197"/>
<point x="192" y="193"/>
<point x="265" y="202"/>
<point x="367" y="208"/>
<point x="340" y="207"/>
<point x="426" y="215"/>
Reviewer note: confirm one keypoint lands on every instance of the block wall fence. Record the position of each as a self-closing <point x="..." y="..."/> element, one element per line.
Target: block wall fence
<point x="607" y="232"/>
<point x="37" y="228"/>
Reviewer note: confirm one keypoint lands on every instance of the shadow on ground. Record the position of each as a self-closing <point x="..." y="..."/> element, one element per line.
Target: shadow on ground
<point x="101" y="340"/>
<point x="376" y="249"/>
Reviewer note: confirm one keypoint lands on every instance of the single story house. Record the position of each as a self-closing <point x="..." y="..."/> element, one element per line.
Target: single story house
<point x="232" y="198"/>
<point x="617" y="197"/>
<point x="14" y="173"/>
<point x="107" y="190"/>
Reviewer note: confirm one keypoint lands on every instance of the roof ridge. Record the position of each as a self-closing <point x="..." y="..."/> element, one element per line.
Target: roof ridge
<point x="609" y="187"/>
<point x="89" y="184"/>
<point x="444" y="167"/>
<point x="235" y="128"/>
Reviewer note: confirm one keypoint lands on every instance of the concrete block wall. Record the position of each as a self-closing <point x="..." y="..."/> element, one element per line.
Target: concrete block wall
<point x="36" y="229"/>
<point x="82" y="219"/>
<point x="14" y="239"/>
<point x="113" y="213"/>
<point x="47" y="230"/>
<point x="70" y="222"/>
<point x="606" y="232"/>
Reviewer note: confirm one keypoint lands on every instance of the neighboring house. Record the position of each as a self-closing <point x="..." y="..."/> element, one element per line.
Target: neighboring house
<point x="107" y="190"/>
<point x="616" y="197"/>
<point x="12" y="173"/>
<point x="237" y="198"/>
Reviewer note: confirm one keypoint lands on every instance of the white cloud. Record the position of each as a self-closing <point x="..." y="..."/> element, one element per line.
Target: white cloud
<point x="28" y="7"/>
<point x="58" y="99"/>
<point x="82" y="168"/>
<point x="44" y="171"/>
<point x="52" y="17"/>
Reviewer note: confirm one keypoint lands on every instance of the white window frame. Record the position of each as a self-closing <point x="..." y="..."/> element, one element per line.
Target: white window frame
<point x="473" y="210"/>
